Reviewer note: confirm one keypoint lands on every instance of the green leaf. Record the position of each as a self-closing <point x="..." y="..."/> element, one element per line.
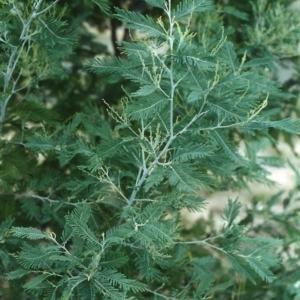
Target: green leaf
<point x="86" y="290"/>
<point x="228" y="52"/>
<point x="29" y="233"/>
<point x="155" y="178"/>
<point x="188" y="151"/>
<point x="5" y="226"/>
<point x="156" y="3"/>
<point x="77" y="220"/>
<point x="73" y="283"/>
<point x="53" y="32"/>
<point x="228" y="149"/>
<point x="109" y="148"/>
<point x="114" y="260"/>
<point x="258" y="265"/>
<point x="257" y="62"/>
<point x="222" y="286"/>
<point x="187" y="178"/>
<point x="36" y="257"/>
<point x="241" y="267"/>
<point x="114" y="65"/>
<point x="105" y="287"/>
<point x="37" y="282"/>
<point x="251" y="127"/>
<point x="5" y="259"/>
<point x="81" y="212"/>
<point x="116" y="278"/>
<point x="103" y="5"/>
<point x="231" y="211"/>
<point x="41" y="143"/>
<point x="17" y="274"/>
<point x="147" y="107"/>
<point x="286" y="125"/>
<point x="192" y="56"/>
<point x="143" y="24"/>
<point x="72" y="126"/>
<point x="144" y="91"/>
<point x="32" y="109"/>
<point x="83" y="231"/>
<point x="203" y="288"/>
<point x="193" y="203"/>
<point x="189" y="7"/>
<point x="237" y="13"/>
<point x="134" y="49"/>
<point x="225" y="111"/>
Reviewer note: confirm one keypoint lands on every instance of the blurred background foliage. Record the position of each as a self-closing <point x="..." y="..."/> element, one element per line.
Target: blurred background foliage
<point x="259" y="28"/>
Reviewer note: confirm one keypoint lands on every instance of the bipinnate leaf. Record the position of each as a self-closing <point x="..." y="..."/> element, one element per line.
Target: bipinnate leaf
<point x="114" y="260"/>
<point x="144" y="90"/>
<point x="77" y="220"/>
<point x="143" y="24"/>
<point x="235" y="12"/>
<point x="40" y="143"/>
<point x="241" y="268"/>
<point x="155" y="177"/>
<point x="258" y="265"/>
<point x="103" y="5"/>
<point x="5" y="226"/>
<point x="231" y="211"/>
<point x="189" y="7"/>
<point x="257" y="62"/>
<point x="29" y="233"/>
<point x="287" y="125"/>
<point x="228" y="52"/>
<point x="260" y="254"/>
<point x="81" y="212"/>
<point x="149" y="107"/>
<point x="193" y="203"/>
<point x="121" y="179"/>
<point x="36" y="257"/>
<point x="4" y="258"/>
<point x="156" y="3"/>
<point x="230" y="150"/>
<point x="118" y="279"/>
<point x="189" y="151"/>
<point x="38" y="282"/>
<point x="222" y="286"/>
<point x="186" y="178"/>
<point x="17" y="274"/>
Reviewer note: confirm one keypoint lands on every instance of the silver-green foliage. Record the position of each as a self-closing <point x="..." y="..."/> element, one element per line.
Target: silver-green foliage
<point x="176" y="137"/>
<point x="32" y="44"/>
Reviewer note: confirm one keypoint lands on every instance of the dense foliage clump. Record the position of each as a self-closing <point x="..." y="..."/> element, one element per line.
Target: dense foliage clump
<point x="100" y="153"/>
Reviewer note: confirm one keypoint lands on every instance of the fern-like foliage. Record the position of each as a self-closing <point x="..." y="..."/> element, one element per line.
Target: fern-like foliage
<point x="120" y="185"/>
<point x="86" y="268"/>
